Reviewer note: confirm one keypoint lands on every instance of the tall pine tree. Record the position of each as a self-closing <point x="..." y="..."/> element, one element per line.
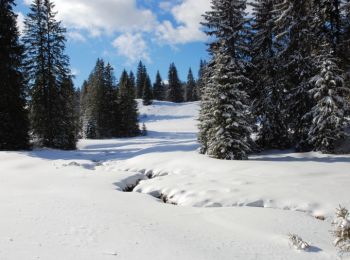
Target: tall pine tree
<point x="128" y="107"/>
<point x="175" y="93"/>
<point x="147" y="92"/>
<point x="158" y="88"/>
<point x="140" y="79"/>
<point x="13" y="115"/>
<point x="47" y="68"/>
<point x="190" y="91"/>
<point x="225" y="124"/>
<point x="295" y="63"/>
<point x="268" y="94"/>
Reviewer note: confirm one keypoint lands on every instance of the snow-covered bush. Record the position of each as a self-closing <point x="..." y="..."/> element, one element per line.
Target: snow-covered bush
<point x="298" y="243"/>
<point x="342" y="229"/>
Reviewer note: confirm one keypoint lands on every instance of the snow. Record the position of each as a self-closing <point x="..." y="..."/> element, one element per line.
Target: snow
<point x="71" y="205"/>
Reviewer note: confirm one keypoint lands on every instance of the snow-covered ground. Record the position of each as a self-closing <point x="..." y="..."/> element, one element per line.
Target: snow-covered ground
<point x="71" y="205"/>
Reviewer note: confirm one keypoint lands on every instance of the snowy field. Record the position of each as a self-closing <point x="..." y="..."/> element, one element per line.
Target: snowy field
<point x="72" y="205"/>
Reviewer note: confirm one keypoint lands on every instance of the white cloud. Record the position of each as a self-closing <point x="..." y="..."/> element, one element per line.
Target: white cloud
<point x="104" y="16"/>
<point x="188" y="15"/>
<point x="132" y="46"/>
<point x="76" y="36"/>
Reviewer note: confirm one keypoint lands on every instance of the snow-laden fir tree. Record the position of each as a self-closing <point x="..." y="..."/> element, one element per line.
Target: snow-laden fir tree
<point x="295" y="44"/>
<point x="47" y="68"/>
<point x="147" y="92"/>
<point x="13" y="115"/>
<point x="128" y="107"/>
<point x="175" y="93"/>
<point x="329" y="93"/>
<point x="190" y="90"/>
<point x="225" y="123"/>
<point x="268" y="94"/>
<point x="158" y="88"/>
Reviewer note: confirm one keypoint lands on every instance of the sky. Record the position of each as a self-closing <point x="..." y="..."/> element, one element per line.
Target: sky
<point x="123" y="32"/>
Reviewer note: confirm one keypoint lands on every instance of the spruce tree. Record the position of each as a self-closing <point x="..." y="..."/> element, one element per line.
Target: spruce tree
<point x="197" y="93"/>
<point x="268" y="95"/>
<point x="224" y="120"/>
<point x="295" y="43"/>
<point x="128" y="107"/>
<point x="47" y="68"/>
<point x="225" y="123"/>
<point x="328" y="120"/>
<point x="13" y="115"/>
<point x="140" y="79"/>
<point x="175" y="93"/>
<point x="147" y="92"/>
<point x="190" y="87"/>
<point x="158" y="88"/>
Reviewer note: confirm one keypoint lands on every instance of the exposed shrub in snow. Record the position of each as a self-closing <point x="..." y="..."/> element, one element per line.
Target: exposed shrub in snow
<point x="342" y="229"/>
<point x="298" y="243"/>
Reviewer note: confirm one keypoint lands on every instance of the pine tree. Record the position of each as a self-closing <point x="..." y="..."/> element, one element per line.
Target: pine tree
<point x="67" y="125"/>
<point x="128" y="107"/>
<point x="13" y="115"/>
<point x="224" y="121"/>
<point x="47" y="68"/>
<point x="295" y="63"/>
<point x="225" y="124"/>
<point x="197" y="93"/>
<point x="175" y="89"/>
<point x="327" y="115"/>
<point x="190" y="87"/>
<point x="268" y="96"/>
<point x="147" y="92"/>
<point x="158" y="88"/>
<point x="140" y="79"/>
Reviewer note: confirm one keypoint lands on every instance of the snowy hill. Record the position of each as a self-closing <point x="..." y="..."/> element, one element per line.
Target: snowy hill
<point x="71" y="205"/>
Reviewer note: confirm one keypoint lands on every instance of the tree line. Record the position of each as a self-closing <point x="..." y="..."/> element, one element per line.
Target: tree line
<point x="39" y="103"/>
<point x="281" y="72"/>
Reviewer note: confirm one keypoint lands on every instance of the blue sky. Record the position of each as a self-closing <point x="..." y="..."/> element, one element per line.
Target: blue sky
<point x="123" y="32"/>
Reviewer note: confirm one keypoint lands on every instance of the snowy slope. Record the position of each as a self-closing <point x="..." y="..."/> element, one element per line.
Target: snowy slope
<point x="70" y="205"/>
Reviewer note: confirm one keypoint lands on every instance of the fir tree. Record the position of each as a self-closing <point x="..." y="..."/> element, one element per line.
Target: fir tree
<point x="197" y="93"/>
<point x="147" y="92"/>
<point x="190" y="87"/>
<point x="47" y="68"/>
<point x="13" y="115"/>
<point x="224" y="117"/>
<point x="224" y="122"/>
<point x="158" y="88"/>
<point x="268" y="95"/>
<point x="175" y="89"/>
<point x="128" y="107"/>
<point x="140" y="79"/>
<point x="327" y="115"/>
<point x="295" y="63"/>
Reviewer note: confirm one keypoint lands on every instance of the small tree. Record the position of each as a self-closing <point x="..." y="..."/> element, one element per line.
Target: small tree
<point x="144" y="130"/>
